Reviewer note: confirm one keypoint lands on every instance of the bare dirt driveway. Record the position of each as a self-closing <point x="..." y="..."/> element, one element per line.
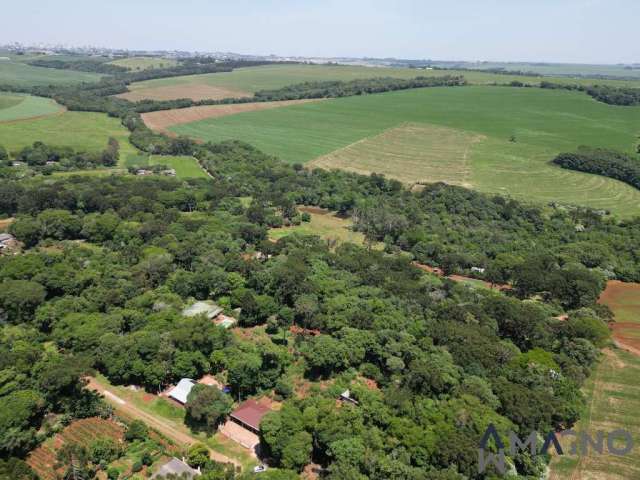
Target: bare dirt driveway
<point x="163" y="426"/>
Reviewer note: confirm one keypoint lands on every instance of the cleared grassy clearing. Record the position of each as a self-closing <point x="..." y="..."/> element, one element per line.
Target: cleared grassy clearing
<point x="18" y="107"/>
<point x="144" y="63"/>
<point x="412" y="153"/>
<point x="83" y="131"/>
<point x="324" y="224"/>
<point x="15" y="73"/>
<point x="185" y="167"/>
<point x="524" y="130"/>
<point x="245" y="81"/>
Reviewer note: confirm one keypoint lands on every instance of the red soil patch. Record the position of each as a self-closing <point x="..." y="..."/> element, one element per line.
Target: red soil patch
<point x="296" y="330"/>
<point x="82" y="432"/>
<point x="162" y="120"/>
<point x="624" y="300"/>
<point x="195" y="91"/>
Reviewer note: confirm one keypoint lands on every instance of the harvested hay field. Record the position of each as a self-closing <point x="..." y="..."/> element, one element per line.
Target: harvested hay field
<point x="194" y="91"/>
<point x="624" y="300"/>
<point x="613" y="400"/>
<point x="162" y="120"/>
<point x="82" y="432"/>
<point x="412" y="153"/>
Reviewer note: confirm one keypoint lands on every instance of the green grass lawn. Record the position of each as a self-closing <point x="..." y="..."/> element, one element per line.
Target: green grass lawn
<point x="17" y="107"/>
<point x="542" y="122"/>
<point x="21" y="74"/>
<point x="325" y="225"/>
<point x="144" y="63"/>
<point x="252" y="79"/>
<point x="185" y="167"/>
<point x="84" y="131"/>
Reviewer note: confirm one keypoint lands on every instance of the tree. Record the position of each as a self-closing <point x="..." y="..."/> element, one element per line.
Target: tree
<point x="207" y="406"/>
<point x="198" y="455"/>
<point x="136" y="430"/>
<point x="19" y="299"/>
<point x="104" y="450"/>
<point x="297" y="453"/>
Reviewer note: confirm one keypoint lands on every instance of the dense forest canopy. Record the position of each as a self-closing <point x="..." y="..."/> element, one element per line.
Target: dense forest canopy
<point x="433" y="349"/>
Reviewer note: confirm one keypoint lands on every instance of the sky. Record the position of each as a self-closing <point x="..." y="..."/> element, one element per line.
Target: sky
<point x="575" y="31"/>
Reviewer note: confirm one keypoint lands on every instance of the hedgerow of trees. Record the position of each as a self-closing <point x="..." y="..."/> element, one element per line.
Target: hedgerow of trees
<point x="605" y="162"/>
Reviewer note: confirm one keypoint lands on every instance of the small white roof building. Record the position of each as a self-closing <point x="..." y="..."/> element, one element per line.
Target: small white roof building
<point x="210" y="309"/>
<point x="176" y="467"/>
<point x="181" y="391"/>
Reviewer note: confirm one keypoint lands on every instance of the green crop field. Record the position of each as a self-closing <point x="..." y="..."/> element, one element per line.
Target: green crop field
<point x="15" y="73"/>
<point x="522" y="130"/>
<point x="18" y="107"/>
<point x="80" y="130"/>
<point x="252" y="79"/>
<point x="144" y="63"/>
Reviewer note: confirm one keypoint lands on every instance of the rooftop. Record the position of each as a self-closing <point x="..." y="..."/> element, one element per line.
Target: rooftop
<point x="250" y="413"/>
<point x="181" y="391"/>
<point x="176" y="467"/>
<point x="210" y="309"/>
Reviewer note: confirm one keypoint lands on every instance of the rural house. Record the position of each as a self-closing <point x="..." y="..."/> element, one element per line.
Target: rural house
<point x="6" y="240"/>
<point x="181" y="391"/>
<point x="249" y="415"/>
<point x="178" y="468"/>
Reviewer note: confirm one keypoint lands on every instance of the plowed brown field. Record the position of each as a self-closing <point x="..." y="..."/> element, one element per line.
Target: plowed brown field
<point x="624" y="300"/>
<point x="193" y="91"/>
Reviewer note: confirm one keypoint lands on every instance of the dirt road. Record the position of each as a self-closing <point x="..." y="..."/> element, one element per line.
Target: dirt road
<point x="163" y="426"/>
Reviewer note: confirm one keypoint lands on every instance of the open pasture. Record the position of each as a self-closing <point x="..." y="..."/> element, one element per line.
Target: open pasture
<point x="522" y="130"/>
<point x="19" y="107"/>
<point x="324" y="224"/>
<point x="185" y="166"/>
<point x="243" y="82"/>
<point x="84" y="131"/>
<point x="21" y="74"/>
